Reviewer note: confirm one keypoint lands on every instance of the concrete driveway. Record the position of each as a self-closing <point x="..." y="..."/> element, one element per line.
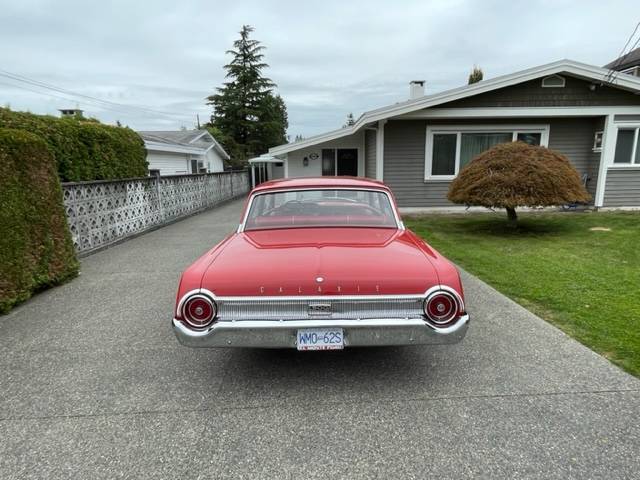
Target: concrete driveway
<point x="93" y="384"/>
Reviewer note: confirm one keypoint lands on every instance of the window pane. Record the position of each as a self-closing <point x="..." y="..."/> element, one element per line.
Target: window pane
<point x="444" y="154"/>
<point x="320" y="208"/>
<point x="473" y="144"/>
<point x="328" y="161"/>
<point x="624" y="144"/>
<point x="530" y="138"/>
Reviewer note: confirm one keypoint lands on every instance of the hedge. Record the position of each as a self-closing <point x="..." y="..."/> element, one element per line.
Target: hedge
<point x="84" y="150"/>
<point x="36" y="250"/>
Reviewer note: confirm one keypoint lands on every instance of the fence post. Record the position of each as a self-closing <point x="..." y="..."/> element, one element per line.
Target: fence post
<point x="159" y="194"/>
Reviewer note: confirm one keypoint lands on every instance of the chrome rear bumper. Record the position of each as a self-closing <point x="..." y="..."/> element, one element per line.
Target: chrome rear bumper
<point x="357" y="333"/>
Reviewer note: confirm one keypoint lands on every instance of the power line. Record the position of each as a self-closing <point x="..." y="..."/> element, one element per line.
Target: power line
<point x="67" y="99"/>
<point x="630" y="50"/>
<point x="613" y="73"/>
<point x="88" y="100"/>
<point x="24" y="79"/>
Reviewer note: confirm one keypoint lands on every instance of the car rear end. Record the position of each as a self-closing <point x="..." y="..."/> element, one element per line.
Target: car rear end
<point x="321" y="322"/>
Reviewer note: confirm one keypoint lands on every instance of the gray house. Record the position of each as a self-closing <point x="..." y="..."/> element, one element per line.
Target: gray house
<point x="418" y="146"/>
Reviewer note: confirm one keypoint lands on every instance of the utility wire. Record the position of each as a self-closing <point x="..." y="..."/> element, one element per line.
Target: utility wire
<point x="616" y="73"/>
<point x="67" y="99"/>
<point x="22" y="78"/>
<point x="88" y="100"/>
<point x="610" y="77"/>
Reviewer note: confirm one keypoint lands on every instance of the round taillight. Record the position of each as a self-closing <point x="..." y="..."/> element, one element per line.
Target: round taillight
<point x="199" y="311"/>
<point x="441" y="307"/>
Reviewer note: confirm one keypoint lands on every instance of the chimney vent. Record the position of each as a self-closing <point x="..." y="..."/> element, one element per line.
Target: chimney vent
<point x="416" y="89"/>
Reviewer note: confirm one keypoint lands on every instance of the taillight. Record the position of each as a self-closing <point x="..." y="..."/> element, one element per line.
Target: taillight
<point x="441" y="307"/>
<point x="199" y="311"/>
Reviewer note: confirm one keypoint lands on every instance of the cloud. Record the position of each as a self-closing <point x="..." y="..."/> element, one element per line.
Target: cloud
<point x="328" y="58"/>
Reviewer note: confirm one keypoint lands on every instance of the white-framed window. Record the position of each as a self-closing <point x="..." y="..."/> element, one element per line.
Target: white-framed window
<point x="627" y="149"/>
<point x="597" y="141"/>
<point x="450" y="147"/>
<point x="553" y="81"/>
<point x="635" y="71"/>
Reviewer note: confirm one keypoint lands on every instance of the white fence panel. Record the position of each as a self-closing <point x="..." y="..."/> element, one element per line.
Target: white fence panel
<point x="103" y="212"/>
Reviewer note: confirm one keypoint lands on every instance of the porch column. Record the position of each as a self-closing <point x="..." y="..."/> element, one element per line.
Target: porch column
<point x="606" y="158"/>
<point x="380" y="151"/>
<point x="253" y="175"/>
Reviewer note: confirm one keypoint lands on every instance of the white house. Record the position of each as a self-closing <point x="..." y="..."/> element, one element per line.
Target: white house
<point x="183" y="152"/>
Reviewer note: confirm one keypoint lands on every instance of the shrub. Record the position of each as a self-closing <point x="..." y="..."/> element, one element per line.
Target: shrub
<point x="84" y="149"/>
<point x="512" y="175"/>
<point x="35" y="245"/>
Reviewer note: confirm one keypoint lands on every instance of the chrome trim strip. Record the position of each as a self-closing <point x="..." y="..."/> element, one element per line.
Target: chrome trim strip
<point x="328" y="298"/>
<point x="287" y="308"/>
<point x="399" y="224"/>
<point x="320" y="298"/>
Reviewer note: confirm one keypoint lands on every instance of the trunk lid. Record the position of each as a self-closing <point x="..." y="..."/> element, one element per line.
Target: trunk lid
<point x="320" y="261"/>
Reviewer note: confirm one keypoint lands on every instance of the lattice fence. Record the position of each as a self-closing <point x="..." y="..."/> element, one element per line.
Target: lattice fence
<point x="103" y="212"/>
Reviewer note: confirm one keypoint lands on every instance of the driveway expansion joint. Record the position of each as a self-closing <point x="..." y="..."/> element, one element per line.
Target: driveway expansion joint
<point x="281" y="404"/>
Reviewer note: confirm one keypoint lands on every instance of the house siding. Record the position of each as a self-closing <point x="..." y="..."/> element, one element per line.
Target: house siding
<point x="404" y="155"/>
<point x="575" y="93"/>
<point x="622" y="188"/>
<point x="169" y="163"/>
<point x="370" y="137"/>
<point x="214" y="161"/>
<point x="573" y="137"/>
<point x="295" y="159"/>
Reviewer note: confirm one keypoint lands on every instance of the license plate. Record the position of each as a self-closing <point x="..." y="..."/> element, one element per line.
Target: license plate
<point x="320" y="339"/>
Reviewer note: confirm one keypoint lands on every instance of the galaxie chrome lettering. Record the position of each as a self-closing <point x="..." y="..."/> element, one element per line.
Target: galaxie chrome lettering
<point x="264" y="290"/>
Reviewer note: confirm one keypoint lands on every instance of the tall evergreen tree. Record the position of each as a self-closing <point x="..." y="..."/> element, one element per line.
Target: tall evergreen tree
<point x="350" y="120"/>
<point x="476" y="75"/>
<point x="246" y="112"/>
<point x="273" y="123"/>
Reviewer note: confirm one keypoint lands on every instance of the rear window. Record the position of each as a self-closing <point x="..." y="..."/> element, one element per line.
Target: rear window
<point x="320" y="208"/>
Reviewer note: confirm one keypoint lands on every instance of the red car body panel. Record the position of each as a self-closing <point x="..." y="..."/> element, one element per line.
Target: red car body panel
<point x="350" y="260"/>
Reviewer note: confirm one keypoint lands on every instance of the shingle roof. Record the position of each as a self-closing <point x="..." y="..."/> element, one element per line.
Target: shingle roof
<point x="197" y="139"/>
<point x="182" y="137"/>
<point x="628" y="60"/>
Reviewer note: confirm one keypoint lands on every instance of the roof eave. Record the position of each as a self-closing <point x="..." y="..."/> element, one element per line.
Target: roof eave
<point x="569" y="66"/>
<point x="173" y="148"/>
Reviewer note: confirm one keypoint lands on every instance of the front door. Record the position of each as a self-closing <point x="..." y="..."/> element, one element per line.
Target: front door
<point x="348" y="161"/>
<point x="341" y="161"/>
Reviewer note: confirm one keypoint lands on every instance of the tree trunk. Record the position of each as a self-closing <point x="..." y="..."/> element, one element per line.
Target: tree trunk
<point x="512" y="216"/>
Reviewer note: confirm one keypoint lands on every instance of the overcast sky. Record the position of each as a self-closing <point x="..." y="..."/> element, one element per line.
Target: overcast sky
<point x="328" y="58"/>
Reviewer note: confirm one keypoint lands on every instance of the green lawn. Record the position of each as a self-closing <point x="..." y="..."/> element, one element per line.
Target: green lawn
<point x="586" y="282"/>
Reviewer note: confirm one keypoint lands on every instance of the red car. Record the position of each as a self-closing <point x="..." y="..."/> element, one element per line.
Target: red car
<point x="320" y="264"/>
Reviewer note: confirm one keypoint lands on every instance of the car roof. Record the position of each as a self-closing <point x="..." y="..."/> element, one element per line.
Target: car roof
<point x="323" y="182"/>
